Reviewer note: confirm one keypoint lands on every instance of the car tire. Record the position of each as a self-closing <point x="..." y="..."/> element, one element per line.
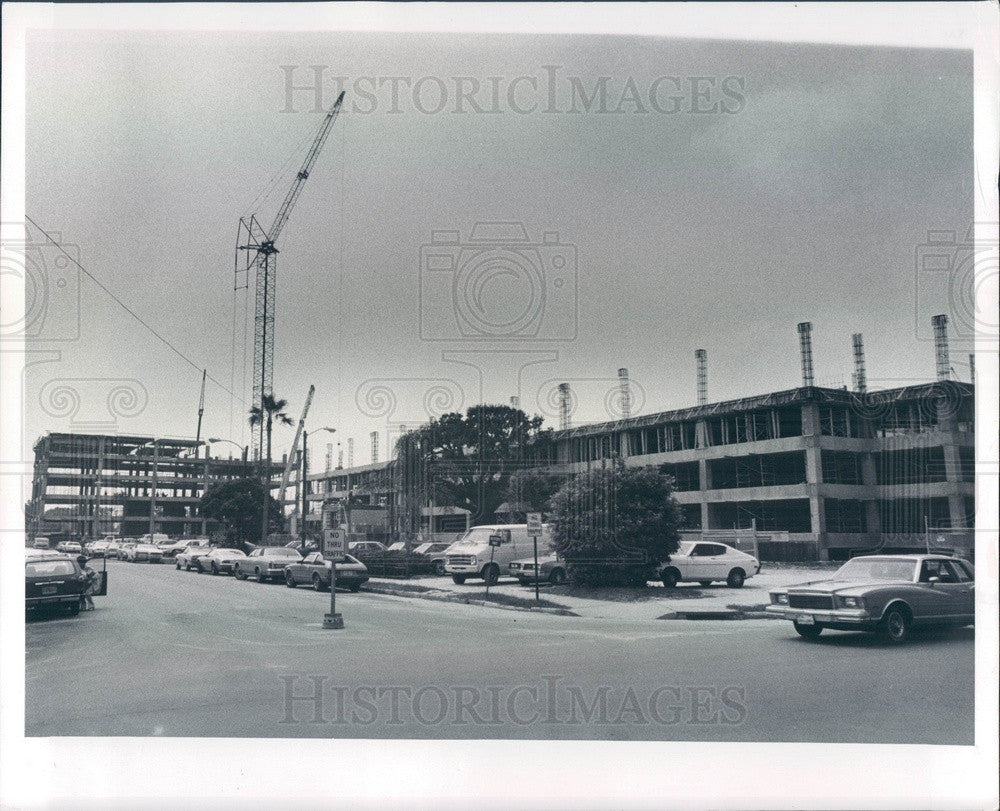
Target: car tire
<point x="704" y="583"/>
<point x="215" y="568"/>
<point x="491" y="574"/>
<point x="439" y="568"/>
<point x="289" y="580"/>
<point x="238" y="573"/>
<point x="318" y="583"/>
<point x="807" y="631"/>
<point x="177" y="565"/>
<point x="74" y="609"/>
<point x="736" y="578"/>
<point x="670" y="577"/>
<point x="557" y="577"/>
<point x="458" y="579"/>
<point x="257" y="575"/>
<point x="355" y="587"/>
<point x="895" y="625"/>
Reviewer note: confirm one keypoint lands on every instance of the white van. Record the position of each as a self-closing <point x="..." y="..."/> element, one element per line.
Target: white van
<point x="486" y="551"/>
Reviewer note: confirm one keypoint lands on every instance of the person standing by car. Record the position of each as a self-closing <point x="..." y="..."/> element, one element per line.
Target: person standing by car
<point x="87" y="598"/>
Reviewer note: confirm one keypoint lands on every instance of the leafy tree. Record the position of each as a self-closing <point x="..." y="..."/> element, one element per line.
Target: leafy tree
<point x="534" y="489"/>
<point x="466" y="460"/>
<point x="615" y="523"/>
<point x="237" y="504"/>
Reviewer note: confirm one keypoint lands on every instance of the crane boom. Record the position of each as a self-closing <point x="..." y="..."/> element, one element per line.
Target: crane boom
<point x="293" y="193"/>
<point x="201" y="411"/>
<point x="295" y="446"/>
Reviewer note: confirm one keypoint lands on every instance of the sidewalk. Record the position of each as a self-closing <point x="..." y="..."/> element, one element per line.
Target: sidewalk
<point x="653" y="602"/>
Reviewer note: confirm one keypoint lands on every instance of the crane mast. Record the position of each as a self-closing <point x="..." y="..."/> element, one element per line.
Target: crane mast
<point x="257" y="247"/>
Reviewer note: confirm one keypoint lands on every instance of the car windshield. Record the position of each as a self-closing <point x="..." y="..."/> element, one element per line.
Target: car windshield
<point x="477" y="536"/>
<point x="49" y="568"/>
<point x="684" y="548"/>
<point x="876" y="569"/>
<point x="283" y="553"/>
<point x="232" y="552"/>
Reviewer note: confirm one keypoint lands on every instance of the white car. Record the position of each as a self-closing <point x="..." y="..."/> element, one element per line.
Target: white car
<point x="70" y="547"/>
<point x="706" y="562"/>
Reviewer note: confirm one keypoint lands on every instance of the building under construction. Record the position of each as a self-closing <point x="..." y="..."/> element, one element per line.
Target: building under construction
<point x="93" y="485"/>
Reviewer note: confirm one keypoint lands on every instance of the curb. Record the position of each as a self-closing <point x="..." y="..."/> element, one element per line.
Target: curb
<point x="448" y="598"/>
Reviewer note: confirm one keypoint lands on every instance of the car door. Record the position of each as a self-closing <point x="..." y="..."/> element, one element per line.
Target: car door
<point x="314" y="564"/>
<point x="697" y="566"/>
<point x="716" y="562"/>
<point x="938" y="600"/>
<point x="961" y="587"/>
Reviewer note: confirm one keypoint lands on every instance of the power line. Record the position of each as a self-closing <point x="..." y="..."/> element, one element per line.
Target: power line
<point x="128" y="309"/>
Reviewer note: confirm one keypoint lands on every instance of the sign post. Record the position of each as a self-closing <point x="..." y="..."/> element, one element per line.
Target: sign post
<point x="495" y="541"/>
<point x="534" y="530"/>
<point x="334" y="549"/>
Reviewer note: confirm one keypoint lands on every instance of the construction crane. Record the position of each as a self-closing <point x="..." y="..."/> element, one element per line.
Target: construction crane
<point x="295" y="446"/>
<point x="257" y="248"/>
<point x="201" y="413"/>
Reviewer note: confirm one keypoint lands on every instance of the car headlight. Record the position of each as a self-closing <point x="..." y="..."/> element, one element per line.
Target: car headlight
<point x="851" y="602"/>
<point x="473" y="560"/>
<point x="780" y="599"/>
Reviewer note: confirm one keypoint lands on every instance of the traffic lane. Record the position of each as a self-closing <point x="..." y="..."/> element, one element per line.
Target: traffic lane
<point x="177" y="653"/>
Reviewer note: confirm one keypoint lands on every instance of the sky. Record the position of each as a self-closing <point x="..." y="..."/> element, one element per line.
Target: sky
<point x="720" y="193"/>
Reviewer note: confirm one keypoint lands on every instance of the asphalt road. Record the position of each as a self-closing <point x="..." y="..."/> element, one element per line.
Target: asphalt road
<point x="181" y="654"/>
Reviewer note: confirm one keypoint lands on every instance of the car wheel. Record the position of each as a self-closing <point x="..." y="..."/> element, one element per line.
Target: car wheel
<point x="808" y="631"/>
<point x="289" y="580"/>
<point x="458" y="579"/>
<point x="557" y="577"/>
<point x="215" y="568"/>
<point x="439" y="568"/>
<point x="735" y="579"/>
<point x="318" y="583"/>
<point x="670" y="577"/>
<point x="491" y="573"/>
<point x="895" y="625"/>
<point x="74" y="609"/>
<point x="355" y="587"/>
<point x="178" y="564"/>
<point x="238" y="573"/>
<point x="704" y="583"/>
<point x="257" y="574"/>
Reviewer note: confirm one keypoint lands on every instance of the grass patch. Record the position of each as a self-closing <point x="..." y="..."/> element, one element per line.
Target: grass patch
<point x="405" y="587"/>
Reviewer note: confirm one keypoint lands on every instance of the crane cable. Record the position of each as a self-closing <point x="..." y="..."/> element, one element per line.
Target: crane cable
<point x="125" y="307"/>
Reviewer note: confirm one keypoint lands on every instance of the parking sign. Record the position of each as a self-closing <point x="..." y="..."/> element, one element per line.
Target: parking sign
<point x="334" y="544"/>
<point x="534" y="524"/>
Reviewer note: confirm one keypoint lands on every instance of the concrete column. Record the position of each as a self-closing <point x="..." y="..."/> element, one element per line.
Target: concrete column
<point x="952" y="465"/>
<point x="870" y="480"/>
<point x="814" y="475"/>
<point x="704" y="485"/>
<point x="204" y="488"/>
<point x="701" y="434"/>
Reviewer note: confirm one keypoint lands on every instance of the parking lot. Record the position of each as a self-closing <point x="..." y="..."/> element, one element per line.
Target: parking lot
<point x="169" y="652"/>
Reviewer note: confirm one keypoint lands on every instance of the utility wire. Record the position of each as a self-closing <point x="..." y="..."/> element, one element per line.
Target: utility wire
<point x="128" y="309"/>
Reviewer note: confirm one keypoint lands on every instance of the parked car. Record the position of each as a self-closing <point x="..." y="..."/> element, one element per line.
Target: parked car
<point x="143" y="552"/>
<point x="69" y="548"/>
<point x="53" y="580"/>
<point x="220" y="560"/>
<point x="315" y="571"/>
<point x="266" y="563"/>
<point x="363" y="548"/>
<point x="705" y="563"/>
<point x="488" y="550"/>
<point x="885" y="594"/>
<point x="40" y="542"/>
<point x="98" y="549"/>
<point x="434" y="553"/>
<point x="187" y="558"/>
<point x="551" y="569"/>
<point x="112" y="549"/>
<point x="170" y="549"/>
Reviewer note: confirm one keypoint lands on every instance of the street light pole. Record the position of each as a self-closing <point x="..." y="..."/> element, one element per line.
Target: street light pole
<point x="305" y="486"/>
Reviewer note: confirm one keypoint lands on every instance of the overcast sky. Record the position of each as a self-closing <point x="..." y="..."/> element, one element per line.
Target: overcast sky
<point x="803" y="193"/>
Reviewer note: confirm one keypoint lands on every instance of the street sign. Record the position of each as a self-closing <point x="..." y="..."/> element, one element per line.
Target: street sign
<point x="495" y="540"/>
<point x="534" y="524"/>
<point x="334" y="544"/>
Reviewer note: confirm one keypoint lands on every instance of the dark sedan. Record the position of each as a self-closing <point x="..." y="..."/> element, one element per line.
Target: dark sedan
<point x="53" y="581"/>
<point x="887" y="594"/>
<point x="314" y="571"/>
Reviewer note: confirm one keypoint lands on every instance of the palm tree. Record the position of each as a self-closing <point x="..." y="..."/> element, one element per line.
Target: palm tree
<point x="273" y="411"/>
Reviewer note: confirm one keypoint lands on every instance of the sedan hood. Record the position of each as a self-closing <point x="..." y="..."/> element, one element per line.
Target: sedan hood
<point x="837" y="586"/>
